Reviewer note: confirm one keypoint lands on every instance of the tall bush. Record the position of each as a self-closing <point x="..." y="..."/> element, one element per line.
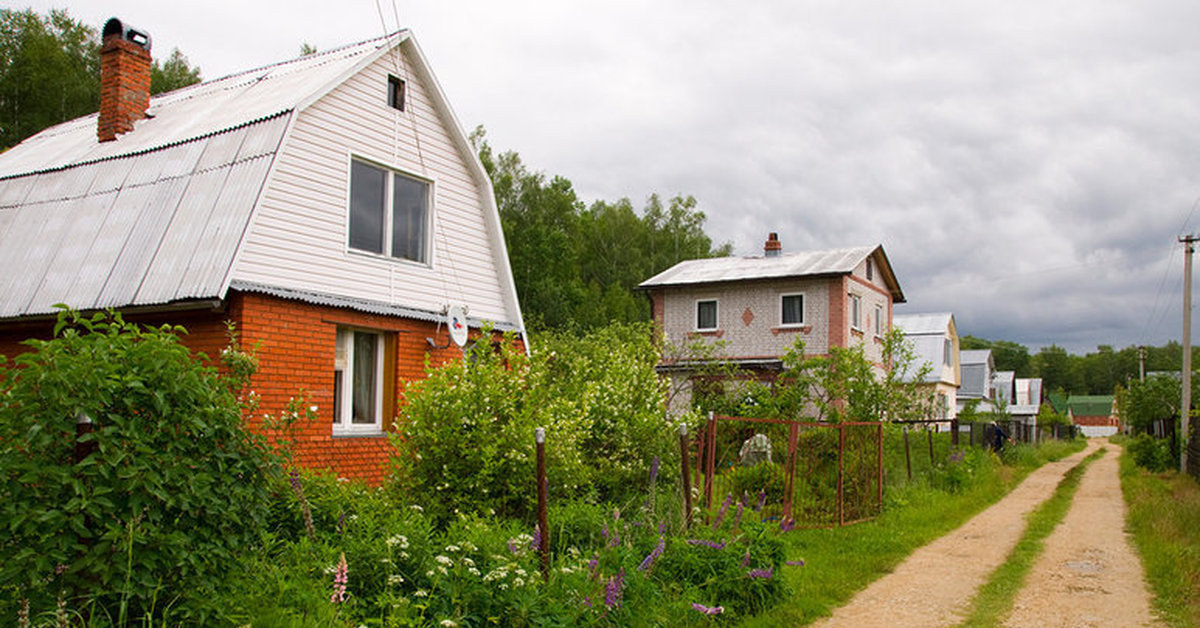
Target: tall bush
<point x="466" y="441"/>
<point x="172" y="491"/>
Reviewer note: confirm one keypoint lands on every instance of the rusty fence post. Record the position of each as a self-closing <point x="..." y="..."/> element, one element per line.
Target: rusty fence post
<point x="687" y="476"/>
<point x="711" y="459"/>
<point x="907" y="455"/>
<point x="954" y="433"/>
<point x="539" y="436"/>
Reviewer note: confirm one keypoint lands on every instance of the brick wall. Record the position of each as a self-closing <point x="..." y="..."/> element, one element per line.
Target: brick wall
<point x="124" y="86"/>
<point x="295" y="346"/>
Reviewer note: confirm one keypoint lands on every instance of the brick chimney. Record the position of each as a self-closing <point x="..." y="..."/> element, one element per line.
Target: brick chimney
<point x="773" y="247"/>
<point x="124" y="79"/>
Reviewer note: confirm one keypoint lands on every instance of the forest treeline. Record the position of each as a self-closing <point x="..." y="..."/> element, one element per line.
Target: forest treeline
<point x="1096" y="373"/>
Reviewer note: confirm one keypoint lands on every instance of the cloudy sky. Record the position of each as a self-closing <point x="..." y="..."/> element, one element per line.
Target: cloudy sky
<point x="1026" y="165"/>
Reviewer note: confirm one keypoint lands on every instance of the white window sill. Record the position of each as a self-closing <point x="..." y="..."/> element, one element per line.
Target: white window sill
<point x="363" y="434"/>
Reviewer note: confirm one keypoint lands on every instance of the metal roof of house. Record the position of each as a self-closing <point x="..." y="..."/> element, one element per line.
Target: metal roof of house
<point x="110" y="224"/>
<point x="788" y="265"/>
<point x="937" y="323"/>
<point x="1090" y="405"/>
<point x="975" y="356"/>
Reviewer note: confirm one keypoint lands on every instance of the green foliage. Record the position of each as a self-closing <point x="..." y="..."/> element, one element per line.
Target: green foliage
<point x="1008" y="355"/>
<point x="846" y="385"/>
<point x="172" y="492"/>
<point x="1152" y="454"/>
<point x="1047" y="415"/>
<point x="768" y="477"/>
<point x="49" y="72"/>
<point x="173" y="73"/>
<point x="575" y="267"/>
<point x="1145" y="401"/>
<point x="468" y="427"/>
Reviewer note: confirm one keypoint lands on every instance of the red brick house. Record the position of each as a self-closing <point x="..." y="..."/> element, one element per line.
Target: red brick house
<point x="330" y="206"/>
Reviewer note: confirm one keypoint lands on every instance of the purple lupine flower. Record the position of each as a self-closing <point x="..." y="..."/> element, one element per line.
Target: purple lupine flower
<point x="795" y="563"/>
<point x="648" y="561"/>
<point x="594" y="567"/>
<point x="761" y="573"/>
<point x="787" y="524"/>
<point x="762" y="500"/>
<point x="724" y="509"/>
<point x="537" y="537"/>
<point x="662" y="528"/>
<point x="341" y="524"/>
<point x="513" y="547"/>
<point x="744" y="502"/>
<point x="587" y="601"/>
<point x="708" y="610"/>
<point x="340" y="577"/>
<point x="738" y="518"/>
<point x="746" y="558"/>
<point x="707" y="543"/>
<point x="613" y="588"/>
<point x="654" y="471"/>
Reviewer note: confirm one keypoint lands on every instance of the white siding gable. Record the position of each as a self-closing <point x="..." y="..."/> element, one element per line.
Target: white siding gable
<point x="299" y="238"/>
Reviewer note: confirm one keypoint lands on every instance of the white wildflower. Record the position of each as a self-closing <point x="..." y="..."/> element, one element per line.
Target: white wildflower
<point x="420" y="593"/>
<point x="395" y="579"/>
<point x="444" y="560"/>
<point x="453" y="548"/>
<point x="447" y="623"/>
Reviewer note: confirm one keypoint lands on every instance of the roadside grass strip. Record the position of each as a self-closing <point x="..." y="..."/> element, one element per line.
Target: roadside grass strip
<point x="839" y="562"/>
<point x="1164" y="519"/>
<point x="995" y="598"/>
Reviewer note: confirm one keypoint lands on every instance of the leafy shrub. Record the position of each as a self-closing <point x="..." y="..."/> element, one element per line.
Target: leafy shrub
<point x="468" y="430"/>
<point x="174" y="489"/>
<point x="768" y="476"/>
<point x="1152" y="454"/>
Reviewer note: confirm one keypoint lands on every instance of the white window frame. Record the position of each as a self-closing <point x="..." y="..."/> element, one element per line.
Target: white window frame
<point x="343" y="424"/>
<point x="387" y="244"/>
<point x="716" y="315"/>
<point x="782" y="309"/>
<point x="878" y="321"/>
<point x="855" y="312"/>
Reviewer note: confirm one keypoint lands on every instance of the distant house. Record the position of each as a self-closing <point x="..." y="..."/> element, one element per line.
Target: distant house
<point x="330" y="206"/>
<point x="1096" y="415"/>
<point x="1027" y="400"/>
<point x="978" y="380"/>
<point x="759" y="306"/>
<point x="935" y="340"/>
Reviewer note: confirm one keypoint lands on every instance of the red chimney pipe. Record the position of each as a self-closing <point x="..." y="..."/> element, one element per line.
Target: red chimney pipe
<point x="124" y="79"/>
<point x="773" y="247"/>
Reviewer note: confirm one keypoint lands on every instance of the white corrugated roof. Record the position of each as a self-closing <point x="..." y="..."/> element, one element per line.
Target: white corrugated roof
<point x="196" y="111"/>
<point x="157" y="215"/>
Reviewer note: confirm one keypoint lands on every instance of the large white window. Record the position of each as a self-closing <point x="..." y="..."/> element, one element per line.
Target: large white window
<point x="791" y="309"/>
<point x="856" y="312"/>
<point x="358" y="382"/>
<point x="389" y="213"/>
<point x="706" y="315"/>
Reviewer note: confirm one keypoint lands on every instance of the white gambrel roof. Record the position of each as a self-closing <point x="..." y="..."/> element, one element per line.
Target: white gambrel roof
<point x="788" y="265"/>
<point x="923" y="324"/>
<point x="160" y="215"/>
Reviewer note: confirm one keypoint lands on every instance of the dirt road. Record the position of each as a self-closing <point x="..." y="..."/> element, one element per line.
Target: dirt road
<point x="1087" y="576"/>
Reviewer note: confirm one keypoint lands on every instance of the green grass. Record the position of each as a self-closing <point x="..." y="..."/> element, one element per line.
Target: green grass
<point x="995" y="598"/>
<point x="842" y="561"/>
<point x="1164" y="518"/>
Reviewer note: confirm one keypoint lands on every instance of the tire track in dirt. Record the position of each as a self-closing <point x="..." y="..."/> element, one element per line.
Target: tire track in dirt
<point x="934" y="585"/>
<point x="1088" y="574"/>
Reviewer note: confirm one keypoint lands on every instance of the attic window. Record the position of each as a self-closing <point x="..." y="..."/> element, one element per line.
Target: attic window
<point x="389" y="213"/>
<point x="870" y="270"/>
<point x="396" y="93"/>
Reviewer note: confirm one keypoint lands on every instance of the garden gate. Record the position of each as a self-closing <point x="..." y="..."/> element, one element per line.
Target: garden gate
<point x="813" y="474"/>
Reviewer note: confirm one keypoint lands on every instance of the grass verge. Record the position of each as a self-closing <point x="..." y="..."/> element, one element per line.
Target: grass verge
<point x="1164" y="518"/>
<point x="995" y="598"/>
<point x="842" y="561"/>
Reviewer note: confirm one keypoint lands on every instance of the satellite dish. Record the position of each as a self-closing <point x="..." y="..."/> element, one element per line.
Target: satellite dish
<point x="456" y="321"/>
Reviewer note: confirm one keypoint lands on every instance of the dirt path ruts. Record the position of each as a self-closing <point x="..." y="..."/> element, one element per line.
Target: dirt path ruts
<point x="1088" y="574"/>
<point x="934" y="585"/>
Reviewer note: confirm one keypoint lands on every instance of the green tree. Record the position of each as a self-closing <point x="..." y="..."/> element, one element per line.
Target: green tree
<point x="1057" y="369"/>
<point x="173" y="73"/>
<point x="49" y="72"/>
<point x="1008" y="355"/>
<point x="1144" y="402"/>
<point x="577" y="268"/>
<point x="173" y="489"/>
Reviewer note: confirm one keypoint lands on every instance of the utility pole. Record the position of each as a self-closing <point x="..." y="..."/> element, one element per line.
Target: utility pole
<point x="1185" y="407"/>
<point x="1142" y="363"/>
